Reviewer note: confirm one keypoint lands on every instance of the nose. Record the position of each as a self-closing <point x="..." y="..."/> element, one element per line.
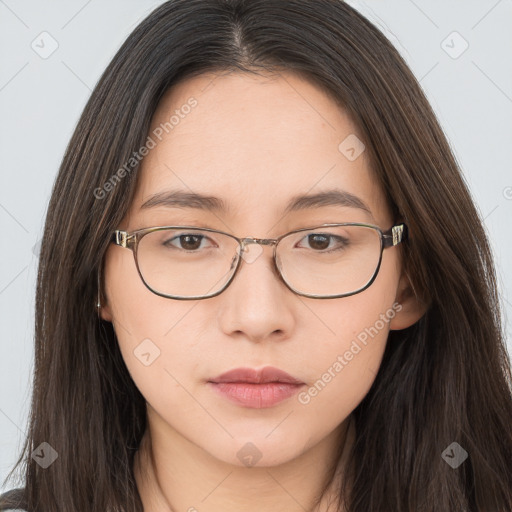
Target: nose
<point x="257" y="304"/>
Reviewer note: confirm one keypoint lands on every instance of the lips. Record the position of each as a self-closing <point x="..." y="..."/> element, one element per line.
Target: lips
<point x="253" y="376"/>
<point x="256" y="389"/>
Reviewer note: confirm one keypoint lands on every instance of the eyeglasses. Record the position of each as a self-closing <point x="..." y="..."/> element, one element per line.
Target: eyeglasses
<point x="323" y="262"/>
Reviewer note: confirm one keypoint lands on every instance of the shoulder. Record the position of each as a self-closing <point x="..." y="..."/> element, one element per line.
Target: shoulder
<point x="13" y="500"/>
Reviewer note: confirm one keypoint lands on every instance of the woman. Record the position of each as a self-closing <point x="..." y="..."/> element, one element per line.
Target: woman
<point x="356" y="364"/>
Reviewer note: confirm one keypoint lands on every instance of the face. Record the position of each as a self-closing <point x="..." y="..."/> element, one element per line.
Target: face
<point x="255" y="143"/>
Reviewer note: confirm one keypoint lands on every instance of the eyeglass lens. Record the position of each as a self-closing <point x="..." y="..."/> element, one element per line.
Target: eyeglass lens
<point x="323" y="261"/>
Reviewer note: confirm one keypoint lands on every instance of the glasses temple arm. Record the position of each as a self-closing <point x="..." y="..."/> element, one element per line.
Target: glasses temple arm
<point x="395" y="235"/>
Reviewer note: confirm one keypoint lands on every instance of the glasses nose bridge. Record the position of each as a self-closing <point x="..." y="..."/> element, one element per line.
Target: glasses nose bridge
<point x="260" y="241"/>
<point x="272" y="242"/>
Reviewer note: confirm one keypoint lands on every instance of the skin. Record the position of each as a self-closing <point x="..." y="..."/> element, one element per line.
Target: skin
<point x="254" y="141"/>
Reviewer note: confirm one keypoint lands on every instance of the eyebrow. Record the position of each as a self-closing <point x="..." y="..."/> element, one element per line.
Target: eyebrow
<point x="184" y="199"/>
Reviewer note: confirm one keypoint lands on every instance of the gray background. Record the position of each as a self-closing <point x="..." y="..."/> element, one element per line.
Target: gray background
<point x="42" y="96"/>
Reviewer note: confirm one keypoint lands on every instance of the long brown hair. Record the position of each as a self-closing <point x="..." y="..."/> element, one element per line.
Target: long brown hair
<point x="445" y="379"/>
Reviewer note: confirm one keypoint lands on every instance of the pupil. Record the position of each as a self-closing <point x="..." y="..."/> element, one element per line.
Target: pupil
<point x="186" y="239"/>
<point x="315" y="239"/>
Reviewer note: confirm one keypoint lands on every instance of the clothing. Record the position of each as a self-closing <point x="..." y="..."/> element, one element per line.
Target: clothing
<point x="12" y="497"/>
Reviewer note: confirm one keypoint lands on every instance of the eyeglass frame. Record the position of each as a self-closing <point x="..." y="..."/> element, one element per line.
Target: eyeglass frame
<point x="389" y="238"/>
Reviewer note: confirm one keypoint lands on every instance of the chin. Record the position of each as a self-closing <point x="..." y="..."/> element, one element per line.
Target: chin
<point x="259" y="452"/>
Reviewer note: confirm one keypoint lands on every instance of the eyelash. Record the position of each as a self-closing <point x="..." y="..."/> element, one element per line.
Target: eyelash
<point x="331" y="237"/>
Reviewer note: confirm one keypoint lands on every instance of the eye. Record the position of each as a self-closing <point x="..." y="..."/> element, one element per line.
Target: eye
<point x="186" y="241"/>
<point x="322" y="242"/>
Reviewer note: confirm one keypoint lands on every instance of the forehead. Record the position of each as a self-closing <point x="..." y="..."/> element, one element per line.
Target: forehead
<point x="254" y="142"/>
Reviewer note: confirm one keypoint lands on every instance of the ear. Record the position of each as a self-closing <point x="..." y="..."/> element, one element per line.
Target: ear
<point x="105" y="312"/>
<point x="412" y="306"/>
<point x="104" y="309"/>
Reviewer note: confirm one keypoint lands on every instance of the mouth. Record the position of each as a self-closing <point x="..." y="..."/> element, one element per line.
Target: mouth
<point x="256" y="389"/>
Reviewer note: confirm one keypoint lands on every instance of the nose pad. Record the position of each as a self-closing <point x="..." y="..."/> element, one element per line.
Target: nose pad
<point x="277" y="267"/>
<point x="234" y="260"/>
<point x="251" y="251"/>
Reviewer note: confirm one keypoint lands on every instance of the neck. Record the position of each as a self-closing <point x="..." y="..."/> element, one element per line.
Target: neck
<point x="173" y="474"/>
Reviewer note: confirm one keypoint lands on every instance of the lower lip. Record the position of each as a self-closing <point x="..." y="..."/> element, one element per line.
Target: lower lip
<point x="256" y="396"/>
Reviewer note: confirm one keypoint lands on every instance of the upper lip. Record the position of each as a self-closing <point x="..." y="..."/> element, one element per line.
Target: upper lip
<point x="254" y="376"/>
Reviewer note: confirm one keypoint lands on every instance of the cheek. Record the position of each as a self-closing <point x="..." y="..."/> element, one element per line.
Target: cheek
<point x="159" y="356"/>
<point x="345" y="364"/>
<point x="137" y="312"/>
<point x="347" y="357"/>
<point x="148" y="328"/>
